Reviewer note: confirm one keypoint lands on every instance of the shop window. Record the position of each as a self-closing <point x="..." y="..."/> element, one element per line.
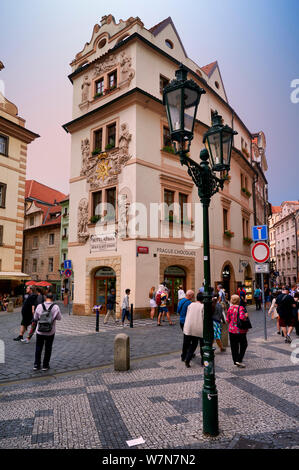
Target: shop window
<point x="3" y="145"/>
<point x="3" y="187"/>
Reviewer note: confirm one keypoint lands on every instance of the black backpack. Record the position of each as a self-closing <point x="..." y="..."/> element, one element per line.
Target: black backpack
<point x="45" y="322"/>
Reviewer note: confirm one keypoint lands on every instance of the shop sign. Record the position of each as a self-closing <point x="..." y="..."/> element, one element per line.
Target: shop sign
<point x="142" y="249"/>
<point x="176" y="251"/>
<point x="102" y="243"/>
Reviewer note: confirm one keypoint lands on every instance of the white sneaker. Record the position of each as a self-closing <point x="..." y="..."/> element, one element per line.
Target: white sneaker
<point x="240" y="364"/>
<point x="26" y="341"/>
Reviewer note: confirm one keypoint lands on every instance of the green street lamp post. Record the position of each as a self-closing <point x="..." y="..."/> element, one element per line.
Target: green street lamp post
<point x="181" y="98"/>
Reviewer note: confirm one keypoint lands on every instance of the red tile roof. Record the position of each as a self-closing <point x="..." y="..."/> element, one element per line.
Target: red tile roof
<point x="42" y="192"/>
<point x="209" y="69"/>
<point x="276" y="209"/>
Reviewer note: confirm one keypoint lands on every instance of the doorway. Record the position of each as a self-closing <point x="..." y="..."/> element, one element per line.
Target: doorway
<point x="104" y="281"/>
<point x="226" y="279"/>
<point x="174" y="276"/>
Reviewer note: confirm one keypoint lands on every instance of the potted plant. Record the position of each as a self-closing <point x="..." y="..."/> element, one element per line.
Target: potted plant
<point x="110" y="146"/>
<point x="246" y="192"/>
<point x="229" y="234"/>
<point x="247" y="240"/>
<point x="94" y="219"/>
<point x="97" y="95"/>
<point x="168" y="148"/>
<point x="96" y="151"/>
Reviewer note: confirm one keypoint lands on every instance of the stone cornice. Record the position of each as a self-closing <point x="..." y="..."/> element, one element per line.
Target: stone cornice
<point x="19" y="132"/>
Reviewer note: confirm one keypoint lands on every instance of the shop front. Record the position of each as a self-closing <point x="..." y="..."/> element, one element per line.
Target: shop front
<point x="104" y="281"/>
<point x="174" y="276"/>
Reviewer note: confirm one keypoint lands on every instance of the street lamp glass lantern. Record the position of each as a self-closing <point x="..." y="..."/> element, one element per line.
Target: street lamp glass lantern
<point x="181" y="98"/>
<point x="218" y="140"/>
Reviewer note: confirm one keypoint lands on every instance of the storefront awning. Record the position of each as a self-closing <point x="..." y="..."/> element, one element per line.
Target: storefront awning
<point x="13" y="276"/>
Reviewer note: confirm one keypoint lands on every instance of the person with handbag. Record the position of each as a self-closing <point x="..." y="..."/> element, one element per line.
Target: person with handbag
<point x="273" y="312"/>
<point x="239" y="324"/>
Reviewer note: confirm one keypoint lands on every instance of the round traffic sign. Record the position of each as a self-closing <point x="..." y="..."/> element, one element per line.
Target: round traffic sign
<point x="260" y="252"/>
<point x="68" y="272"/>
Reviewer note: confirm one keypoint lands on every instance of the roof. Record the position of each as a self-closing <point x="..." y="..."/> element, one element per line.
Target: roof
<point x="36" y="190"/>
<point x="155" y="30"/>
<point x="46" y="199"/>
<point x="209" y="69"/>
<point x="276" y="209"/>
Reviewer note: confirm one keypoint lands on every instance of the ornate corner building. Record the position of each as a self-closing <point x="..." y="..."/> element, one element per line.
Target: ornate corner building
<point x="121" y="155"/>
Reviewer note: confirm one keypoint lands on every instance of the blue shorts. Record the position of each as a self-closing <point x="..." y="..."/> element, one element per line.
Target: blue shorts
<point x="163" y="309"/>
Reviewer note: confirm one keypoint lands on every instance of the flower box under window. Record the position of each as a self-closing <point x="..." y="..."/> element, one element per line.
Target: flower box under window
<point x="168" y="149"/>
<point x="246" y="192"/>
<point x="229" y="234"/>
<point x="247" y="240"/>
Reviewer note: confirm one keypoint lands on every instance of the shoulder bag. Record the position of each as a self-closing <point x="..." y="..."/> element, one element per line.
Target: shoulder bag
<point x="243" y="324"/>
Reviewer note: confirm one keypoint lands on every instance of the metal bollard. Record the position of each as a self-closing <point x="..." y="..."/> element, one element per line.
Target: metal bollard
<point x="121" y="352"/>
<point x="97" y="308"/>
<point x="131" y="317"/>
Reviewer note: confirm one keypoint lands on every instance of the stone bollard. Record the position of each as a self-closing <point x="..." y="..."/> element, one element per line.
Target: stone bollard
<point x="10" y="306"/>
<point x="121" y="352"/>
<point x="224" y="334"/>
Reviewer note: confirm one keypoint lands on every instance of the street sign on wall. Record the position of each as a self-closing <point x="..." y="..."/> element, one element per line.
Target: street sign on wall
<point x="67" y="264"/>
<point x="259" y="232"/>
<point x="260" y="252"/>
<point x="68" y="273"/>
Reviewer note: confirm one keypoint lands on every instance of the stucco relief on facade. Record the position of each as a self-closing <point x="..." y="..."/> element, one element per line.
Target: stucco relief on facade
<point x="82" y="230"/>
<point x="103" y="169"/>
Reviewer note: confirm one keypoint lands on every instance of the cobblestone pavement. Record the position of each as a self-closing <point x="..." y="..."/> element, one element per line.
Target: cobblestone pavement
<point x="158" y="399"/>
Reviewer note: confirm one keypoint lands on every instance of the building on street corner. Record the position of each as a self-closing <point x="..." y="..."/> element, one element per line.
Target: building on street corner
<point x="135" y="216"/>
<point x="41" y="259"/>
<point x="14" y="140"/>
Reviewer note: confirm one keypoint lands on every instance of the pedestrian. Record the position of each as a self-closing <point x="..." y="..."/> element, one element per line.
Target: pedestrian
<point x="237" y="336"/>
<point x="183" y="305"/>
<point x="296" y="312"/>
<point x="243" y="298"/>
<point x="285" y="305"/>
<point x="153" y="305"/>
<point x="181" y="293"/>
<point x="258" y="298"/>
<point x="110" y="306"/>
<point x="273" y="312"/>
<point x="27" y="311"/>
<point x="163" y="305"/>
<point x="267" y="297"/>
<point x="218" y="319"/>
<point x="202" y="288"/>
<point x="45" y="338"/>
<point x="40" y="298"/>
<point x="193" y="330"/>
<point x="126" y="308"/>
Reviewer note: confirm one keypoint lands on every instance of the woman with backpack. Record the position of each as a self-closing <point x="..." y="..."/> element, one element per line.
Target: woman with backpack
<point x="237" y="336"/>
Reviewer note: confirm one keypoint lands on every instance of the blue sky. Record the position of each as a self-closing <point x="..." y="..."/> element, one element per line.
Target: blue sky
<point x="255" y="43"/>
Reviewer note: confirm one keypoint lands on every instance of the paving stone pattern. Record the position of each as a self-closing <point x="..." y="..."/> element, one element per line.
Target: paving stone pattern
<point x="158" y="399"/>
